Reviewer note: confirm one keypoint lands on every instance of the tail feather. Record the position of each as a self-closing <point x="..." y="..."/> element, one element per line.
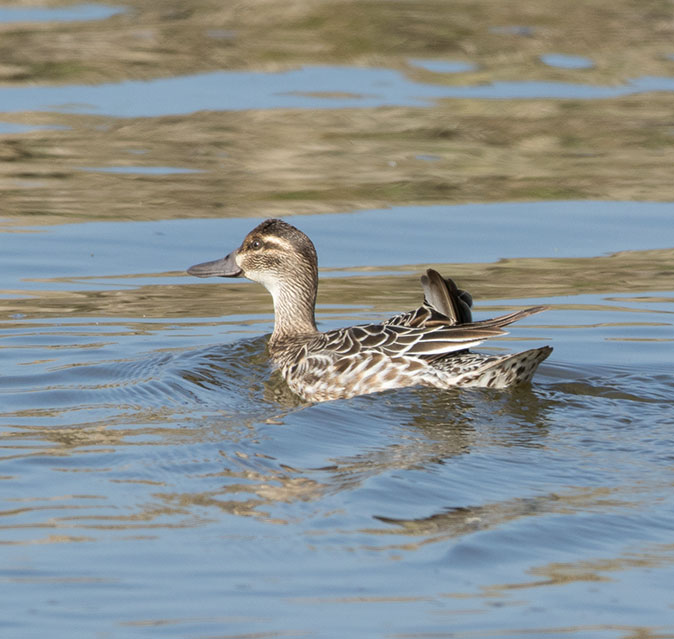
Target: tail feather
<point x="508" y="370"/>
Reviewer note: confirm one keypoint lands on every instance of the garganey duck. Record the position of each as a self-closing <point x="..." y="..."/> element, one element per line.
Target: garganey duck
<point x="427" y="346"/>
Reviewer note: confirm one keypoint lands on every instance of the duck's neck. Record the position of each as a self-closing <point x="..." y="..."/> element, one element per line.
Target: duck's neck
<point x="294" y="304"/>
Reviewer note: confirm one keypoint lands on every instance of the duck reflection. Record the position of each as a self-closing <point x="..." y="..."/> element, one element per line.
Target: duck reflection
<point x="454" y="522"/>
<point x="399" y="430"/>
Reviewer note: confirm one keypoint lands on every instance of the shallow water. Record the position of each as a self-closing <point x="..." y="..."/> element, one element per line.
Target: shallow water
<point x="157" y="478"/>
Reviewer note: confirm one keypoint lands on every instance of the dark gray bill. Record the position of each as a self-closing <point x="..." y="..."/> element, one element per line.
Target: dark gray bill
<point x="226" y="267"/>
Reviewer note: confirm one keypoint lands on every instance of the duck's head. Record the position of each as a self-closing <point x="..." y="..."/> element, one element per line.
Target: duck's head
<point x="278" y="256"/>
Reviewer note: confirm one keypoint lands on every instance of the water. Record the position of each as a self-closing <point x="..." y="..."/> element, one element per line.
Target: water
<point x="156" y="476"/>
<point x="81" y="12"/>
<point x="444" y="66"/>
<point x="305" y="88"/>
<point x="566" y="61"/>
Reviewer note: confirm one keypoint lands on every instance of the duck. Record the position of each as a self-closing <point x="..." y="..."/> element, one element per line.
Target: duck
<point x="427" y="346"/>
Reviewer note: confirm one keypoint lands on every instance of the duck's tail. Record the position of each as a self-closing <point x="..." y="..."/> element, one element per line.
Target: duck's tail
<point x="490" y="371"/>
<point x="508" y="370"/>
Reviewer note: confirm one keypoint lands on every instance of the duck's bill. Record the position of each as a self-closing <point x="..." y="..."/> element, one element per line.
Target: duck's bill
<point x="226" y="267"/>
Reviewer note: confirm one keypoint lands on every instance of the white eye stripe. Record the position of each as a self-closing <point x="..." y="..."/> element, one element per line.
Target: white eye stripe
<point x="277" y="243"/>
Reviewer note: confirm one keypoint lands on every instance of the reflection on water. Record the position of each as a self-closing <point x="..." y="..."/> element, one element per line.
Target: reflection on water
<point x="57" y="14"/>
<point x="444" y="66"/>
<point x="125" y="442"/>
<point x="11" y="127"/>
<point x="305" y="88"/>
<point x="158" y="478"/>
<point x="301" y="161"/>
<point x="141" y="437"/>
<point x="566" y="61"/>
<point x="140" y="170"/>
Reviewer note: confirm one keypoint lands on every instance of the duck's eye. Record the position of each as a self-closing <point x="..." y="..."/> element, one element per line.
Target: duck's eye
<point x="255" y="244"/>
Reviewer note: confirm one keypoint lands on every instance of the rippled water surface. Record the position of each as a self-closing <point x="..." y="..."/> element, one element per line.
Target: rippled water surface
<point x="157" y="477"/>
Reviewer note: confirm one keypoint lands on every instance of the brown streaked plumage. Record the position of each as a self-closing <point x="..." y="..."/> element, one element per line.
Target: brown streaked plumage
<point x="427" y="346"/>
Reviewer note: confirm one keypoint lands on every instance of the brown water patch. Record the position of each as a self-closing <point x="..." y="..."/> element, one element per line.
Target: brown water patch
<point x="280" y="162"/>
<point x="148" y="41"/>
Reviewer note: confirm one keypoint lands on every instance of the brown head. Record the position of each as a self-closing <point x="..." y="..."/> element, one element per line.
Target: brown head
<point x="281" y="258"/>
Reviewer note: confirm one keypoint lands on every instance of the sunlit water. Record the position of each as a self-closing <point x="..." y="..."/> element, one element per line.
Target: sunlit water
<point x="158" y="471"/>
<point x="157" y="477"/>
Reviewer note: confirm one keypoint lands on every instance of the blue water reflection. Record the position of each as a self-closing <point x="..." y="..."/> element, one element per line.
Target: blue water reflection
<point x="75" y="13"/>
<point x="472" y="233"/>
<point x="140" y="170"/>
<point x="305" y="88"/>
<point x="15" y="128"/>
<point x="566" y="61"/>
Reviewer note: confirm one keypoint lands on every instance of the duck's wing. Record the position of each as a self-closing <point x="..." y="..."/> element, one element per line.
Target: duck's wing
<point x="427" y="343"/>
<point x="442" y="295"/>
<point x="444" y="304"/>
<point x="436" y="342"/>
<point x="419" y="317"/>
<point x="510" y="318"/>
<point x="441" y="326"/>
